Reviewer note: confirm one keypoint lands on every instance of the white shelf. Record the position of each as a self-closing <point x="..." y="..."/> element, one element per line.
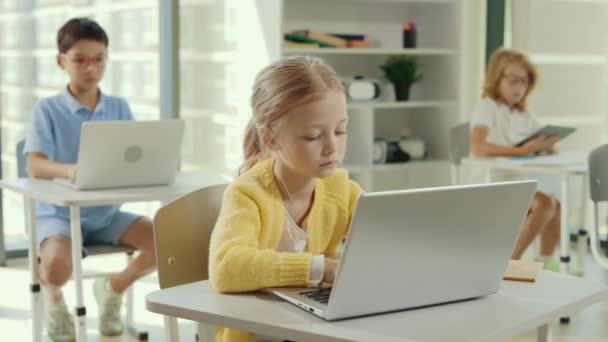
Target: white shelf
<point x="394" y="166"/>
<point x="369" y="51"/>
<point x="402" y="104"/>
<point x="568" y="59"/>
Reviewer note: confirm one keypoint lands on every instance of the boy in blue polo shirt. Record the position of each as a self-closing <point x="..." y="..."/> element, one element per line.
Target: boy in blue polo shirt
<point x="52" y="149"/>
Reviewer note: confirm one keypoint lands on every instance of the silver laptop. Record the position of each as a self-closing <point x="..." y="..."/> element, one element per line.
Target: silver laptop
<point x="414" y="248"/>
<point x="116" y="154"/>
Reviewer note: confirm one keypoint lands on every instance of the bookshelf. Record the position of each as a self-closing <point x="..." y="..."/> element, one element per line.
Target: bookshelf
<point x="436" y="103"/>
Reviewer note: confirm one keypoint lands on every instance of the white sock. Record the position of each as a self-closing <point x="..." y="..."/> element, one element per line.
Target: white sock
<point x="52" y="294"/>
<point x="108" y="286"/>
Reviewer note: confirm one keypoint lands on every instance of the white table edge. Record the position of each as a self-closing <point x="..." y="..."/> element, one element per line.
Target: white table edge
<point x="215" y="319"/>
<point x="159" y="196"/>
<point x="247" y="325"/>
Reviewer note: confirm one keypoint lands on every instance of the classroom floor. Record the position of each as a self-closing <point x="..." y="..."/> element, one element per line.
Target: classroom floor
<point x="589" y="325"/>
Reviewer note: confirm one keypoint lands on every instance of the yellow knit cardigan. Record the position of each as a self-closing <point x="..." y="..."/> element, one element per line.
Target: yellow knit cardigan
<point x="243" y="254"/>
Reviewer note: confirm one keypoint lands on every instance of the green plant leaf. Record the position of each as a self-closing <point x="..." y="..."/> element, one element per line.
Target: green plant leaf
<point x="404" y="69"/>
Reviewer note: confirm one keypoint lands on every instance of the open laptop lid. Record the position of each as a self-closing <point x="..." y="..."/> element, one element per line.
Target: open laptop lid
<point x="122" y="153"/>
<point x="412" y="248"/>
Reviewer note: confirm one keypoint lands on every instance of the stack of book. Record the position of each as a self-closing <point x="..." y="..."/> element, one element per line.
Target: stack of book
<point x="311" y="38"/>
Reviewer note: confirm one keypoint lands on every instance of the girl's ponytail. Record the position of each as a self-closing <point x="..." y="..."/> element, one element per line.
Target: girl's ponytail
<point x="251" y="147"/>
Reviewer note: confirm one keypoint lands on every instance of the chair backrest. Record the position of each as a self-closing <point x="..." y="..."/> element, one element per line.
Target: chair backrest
<point x="182" y="229"/>
<point x="598" y="174"/>
<point x="459" y="142"/>
<point x="21" y="160"/>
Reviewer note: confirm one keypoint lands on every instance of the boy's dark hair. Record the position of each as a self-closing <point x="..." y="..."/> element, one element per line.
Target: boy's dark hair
<point x="79" y="29"/>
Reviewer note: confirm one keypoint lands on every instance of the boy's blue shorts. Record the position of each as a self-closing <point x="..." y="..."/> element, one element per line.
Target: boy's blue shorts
<point x="49" y="226"/>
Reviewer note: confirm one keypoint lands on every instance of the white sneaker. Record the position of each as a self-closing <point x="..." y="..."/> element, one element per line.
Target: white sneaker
<point x="59" y="322"/>
<point x="109" y="303"/>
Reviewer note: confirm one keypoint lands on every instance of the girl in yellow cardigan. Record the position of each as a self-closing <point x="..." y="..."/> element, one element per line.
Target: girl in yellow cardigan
<point x="284" y="216"/>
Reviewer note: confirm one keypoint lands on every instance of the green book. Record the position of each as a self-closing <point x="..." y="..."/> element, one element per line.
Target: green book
<point x="294" y="37"/>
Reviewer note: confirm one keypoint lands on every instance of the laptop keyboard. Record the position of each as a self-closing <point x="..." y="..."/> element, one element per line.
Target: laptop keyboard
<point x="319" y="295"/>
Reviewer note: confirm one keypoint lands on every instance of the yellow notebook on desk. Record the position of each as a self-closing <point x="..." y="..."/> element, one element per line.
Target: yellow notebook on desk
<point x="520" y="270"/>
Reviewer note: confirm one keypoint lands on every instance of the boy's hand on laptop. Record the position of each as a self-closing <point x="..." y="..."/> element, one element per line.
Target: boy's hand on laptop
<point x="331" y="269"/>
<point x="71" y="171"/>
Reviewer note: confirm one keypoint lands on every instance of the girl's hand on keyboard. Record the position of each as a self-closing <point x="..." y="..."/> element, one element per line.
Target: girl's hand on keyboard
<point x="331" y="269"/>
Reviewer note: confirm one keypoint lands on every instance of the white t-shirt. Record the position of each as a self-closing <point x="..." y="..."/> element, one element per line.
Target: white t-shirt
<point x="506" y="127"/>
<point x="294" y="240"/>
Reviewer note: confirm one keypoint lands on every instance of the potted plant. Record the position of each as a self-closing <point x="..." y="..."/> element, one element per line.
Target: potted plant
<point x="402" y="72"/>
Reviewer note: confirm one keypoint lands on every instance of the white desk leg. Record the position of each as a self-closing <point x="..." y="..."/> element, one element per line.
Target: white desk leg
<point x="545" y="333"/>
<point x="488" y="175"/>
<point x="36" y="300"/>
<point x="131" y="328"/>
<point x="596" y="248"/>
<point x="129" y="298"/>
<point x="454" y="174"/>
<point x="81" y="314"/>
<point x="171" y="329"/>
<point x="587" y="225"/>
<point x="206" y="332"/>
<point x="564" y="232"/>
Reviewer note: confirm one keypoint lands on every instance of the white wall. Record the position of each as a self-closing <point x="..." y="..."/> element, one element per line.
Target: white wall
<point x="473" y="58"/>
<point x="566" y="39"/>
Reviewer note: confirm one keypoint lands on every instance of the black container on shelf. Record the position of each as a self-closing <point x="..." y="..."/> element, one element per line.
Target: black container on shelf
<point x="409" y="38"/>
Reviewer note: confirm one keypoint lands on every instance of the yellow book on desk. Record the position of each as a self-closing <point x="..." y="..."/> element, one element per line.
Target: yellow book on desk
<point x="520" y="270"/>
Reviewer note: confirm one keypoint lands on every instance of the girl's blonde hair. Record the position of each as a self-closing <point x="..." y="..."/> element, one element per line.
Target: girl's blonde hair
<point x="499" y="61"/>
<point x="278" y="88"/>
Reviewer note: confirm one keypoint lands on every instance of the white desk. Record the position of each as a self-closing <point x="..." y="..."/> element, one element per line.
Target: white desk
<point x="563" y="165"/>
<point x="518" y="307"/>
<point x="54" y="193"/>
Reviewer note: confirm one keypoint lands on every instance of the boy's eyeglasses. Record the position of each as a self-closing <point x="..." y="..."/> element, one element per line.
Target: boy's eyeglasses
<point x="84" y="62"/>
<point x="514" y="80"/>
